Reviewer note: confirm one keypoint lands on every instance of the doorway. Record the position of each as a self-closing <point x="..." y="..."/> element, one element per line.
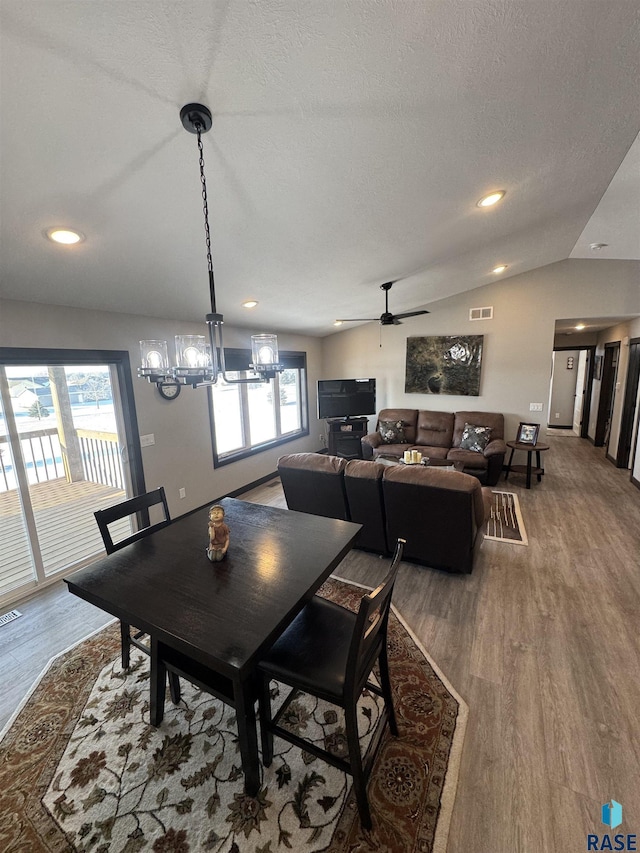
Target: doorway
<point x="607" y="395"/>
<point x="580" y="392"/>
<point x="629" y="423"/>
<point x="68" y="446"/>
<point x="570" y="389"/>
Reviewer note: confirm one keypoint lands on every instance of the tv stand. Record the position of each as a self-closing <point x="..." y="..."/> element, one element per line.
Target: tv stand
<point x="345" y="435"/>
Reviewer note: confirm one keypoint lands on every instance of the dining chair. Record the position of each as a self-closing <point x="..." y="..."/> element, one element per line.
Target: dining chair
<point x="330" y="652"/>
<point x="138" y="506"/>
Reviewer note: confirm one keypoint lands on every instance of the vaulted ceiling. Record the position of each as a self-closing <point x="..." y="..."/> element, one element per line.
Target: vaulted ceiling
<point x="350" y="144"/>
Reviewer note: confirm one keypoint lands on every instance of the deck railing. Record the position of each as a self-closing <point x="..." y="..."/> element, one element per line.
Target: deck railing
<point x="43" y="458"/>
<point x="101" y="457"/>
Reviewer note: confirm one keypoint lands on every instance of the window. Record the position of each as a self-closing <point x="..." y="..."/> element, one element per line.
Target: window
<point x="254" y="416"/>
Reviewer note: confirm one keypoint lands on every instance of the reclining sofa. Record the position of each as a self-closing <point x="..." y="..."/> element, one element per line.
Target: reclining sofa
<point x="442" y="435"/>
<point x="439" y="513"/>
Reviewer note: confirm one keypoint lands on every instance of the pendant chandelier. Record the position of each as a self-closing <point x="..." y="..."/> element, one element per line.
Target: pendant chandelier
<point x="199" y="361"/>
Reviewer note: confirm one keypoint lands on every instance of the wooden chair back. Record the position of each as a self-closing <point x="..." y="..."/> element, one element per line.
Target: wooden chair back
<point x="138" y="506"/>
<point x="370" y="630"/>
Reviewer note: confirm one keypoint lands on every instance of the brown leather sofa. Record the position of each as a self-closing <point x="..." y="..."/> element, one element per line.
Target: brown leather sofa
<point x="314" y="483"/>
<point x="363" y="485"/>
<point x="438" y="435"/>
<point x="440" y="513"/>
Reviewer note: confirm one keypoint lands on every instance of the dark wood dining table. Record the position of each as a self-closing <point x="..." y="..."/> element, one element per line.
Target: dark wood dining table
<point x="221" y="615"/>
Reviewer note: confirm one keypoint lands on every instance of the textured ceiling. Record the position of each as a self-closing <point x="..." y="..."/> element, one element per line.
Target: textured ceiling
<point x="351" y="142"/>
<point x="616" y="220"/>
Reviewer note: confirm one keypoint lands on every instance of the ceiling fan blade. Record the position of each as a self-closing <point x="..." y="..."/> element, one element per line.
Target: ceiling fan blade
<point x="411" y="314"/>
<point x="387" y="318"/>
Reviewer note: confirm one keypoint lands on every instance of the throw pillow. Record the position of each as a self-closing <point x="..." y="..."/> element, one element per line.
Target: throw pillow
<point x="392" y="432"/>
<point x="475" y="438"/>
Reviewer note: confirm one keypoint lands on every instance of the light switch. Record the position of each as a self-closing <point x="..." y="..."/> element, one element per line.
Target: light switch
<point x="147" y="440"/>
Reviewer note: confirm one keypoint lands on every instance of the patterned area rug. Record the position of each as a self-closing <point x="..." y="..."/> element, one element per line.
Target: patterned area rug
<point x="82" y="770"/>
<point x="505" y="522"/>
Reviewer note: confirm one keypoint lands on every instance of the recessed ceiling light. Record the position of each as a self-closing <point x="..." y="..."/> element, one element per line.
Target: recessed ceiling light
<point x="338" y="323"/>
<point x="492" y="198"/>
<point x="500" y="268"/>
<point x="65" y="236"/>
<point x="580" y="327"/>
<point x="250" y="303"/>
<point x="597" y="247"/>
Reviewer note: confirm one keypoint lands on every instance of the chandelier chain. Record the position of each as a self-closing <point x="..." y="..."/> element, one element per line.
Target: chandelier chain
<point x="197" y="363"/>
<point x="205" y="203"/>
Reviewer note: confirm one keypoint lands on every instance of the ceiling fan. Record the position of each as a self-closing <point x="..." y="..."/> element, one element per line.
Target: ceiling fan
<point x="386" y="319"/>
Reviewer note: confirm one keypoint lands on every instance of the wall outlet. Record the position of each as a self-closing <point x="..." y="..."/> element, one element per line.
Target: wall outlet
<point x="147" y="440"/>
<point x="182" y="493"/>
<point x="557" y="414"/>
<point x="535" y="407"/>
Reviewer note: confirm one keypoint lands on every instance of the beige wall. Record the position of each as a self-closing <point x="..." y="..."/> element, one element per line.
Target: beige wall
<point x="516" y="365"/>
<point x="518" y="342"/>
<point x="182" y="455"/>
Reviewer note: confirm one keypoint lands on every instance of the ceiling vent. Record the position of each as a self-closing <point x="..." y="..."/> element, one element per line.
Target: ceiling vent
<point x="481" y="313"/>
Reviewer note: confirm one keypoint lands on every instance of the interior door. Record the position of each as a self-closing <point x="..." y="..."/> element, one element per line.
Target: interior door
<point x="607" y="388"/>
<point x="629" y="411"/>
<point x="578" y="400"/>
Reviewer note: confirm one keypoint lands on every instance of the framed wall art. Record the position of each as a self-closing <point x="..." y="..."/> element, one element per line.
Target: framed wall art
<point x="447" y="364"/>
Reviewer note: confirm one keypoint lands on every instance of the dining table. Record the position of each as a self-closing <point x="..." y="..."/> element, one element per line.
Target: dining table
<point x="220" y="615"/>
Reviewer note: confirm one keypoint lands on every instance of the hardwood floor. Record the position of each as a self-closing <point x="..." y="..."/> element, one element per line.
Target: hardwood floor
<point x="541" y="641"/>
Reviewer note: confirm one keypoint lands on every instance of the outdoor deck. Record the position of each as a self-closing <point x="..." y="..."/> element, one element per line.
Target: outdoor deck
<point x="67" y="530"/>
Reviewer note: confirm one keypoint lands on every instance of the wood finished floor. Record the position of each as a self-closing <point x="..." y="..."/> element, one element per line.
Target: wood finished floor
<point x="541" y="641"/>
<point x="67" y="531"/>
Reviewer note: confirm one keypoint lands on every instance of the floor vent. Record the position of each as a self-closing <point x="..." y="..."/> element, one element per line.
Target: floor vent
<point x="481" y="313"/>
<point x="9" y="617"/>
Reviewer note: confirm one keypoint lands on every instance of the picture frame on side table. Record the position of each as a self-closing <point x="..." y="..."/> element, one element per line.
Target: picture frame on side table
<point x="528" y="434"/>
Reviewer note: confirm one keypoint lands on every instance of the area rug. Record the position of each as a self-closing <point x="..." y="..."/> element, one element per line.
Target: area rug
<point x="82" y="770"/>
<point x="505" y="522"/>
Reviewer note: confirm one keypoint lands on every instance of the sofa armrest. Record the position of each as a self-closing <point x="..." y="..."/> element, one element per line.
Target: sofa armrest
<point x="494" y="447"/>
<point x="374" y="439"/>
<point x="494" y="453"/>
<point x="487" y="501"/>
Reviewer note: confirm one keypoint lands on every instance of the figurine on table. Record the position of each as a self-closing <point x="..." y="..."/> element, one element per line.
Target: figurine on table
<point x="218" y="535"/>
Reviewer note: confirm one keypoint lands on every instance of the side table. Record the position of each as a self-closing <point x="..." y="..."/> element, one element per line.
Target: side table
<point x="527" y="469"/>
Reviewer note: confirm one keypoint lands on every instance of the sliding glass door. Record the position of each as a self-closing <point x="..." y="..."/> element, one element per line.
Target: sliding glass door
<point x="68" y="446"/>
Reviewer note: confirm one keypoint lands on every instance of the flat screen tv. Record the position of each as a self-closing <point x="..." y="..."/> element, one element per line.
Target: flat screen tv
<point x="346" y="398"/>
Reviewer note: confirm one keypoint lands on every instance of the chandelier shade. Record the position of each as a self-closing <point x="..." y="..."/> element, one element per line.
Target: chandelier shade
<point x="154" y="358"/>
<point x="264" y="351"/>
<point x="199" y="361"/>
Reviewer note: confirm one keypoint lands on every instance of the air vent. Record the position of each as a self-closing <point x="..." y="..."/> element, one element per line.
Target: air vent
<point x="481" y="313"/>
<point x="9" y="617"/>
